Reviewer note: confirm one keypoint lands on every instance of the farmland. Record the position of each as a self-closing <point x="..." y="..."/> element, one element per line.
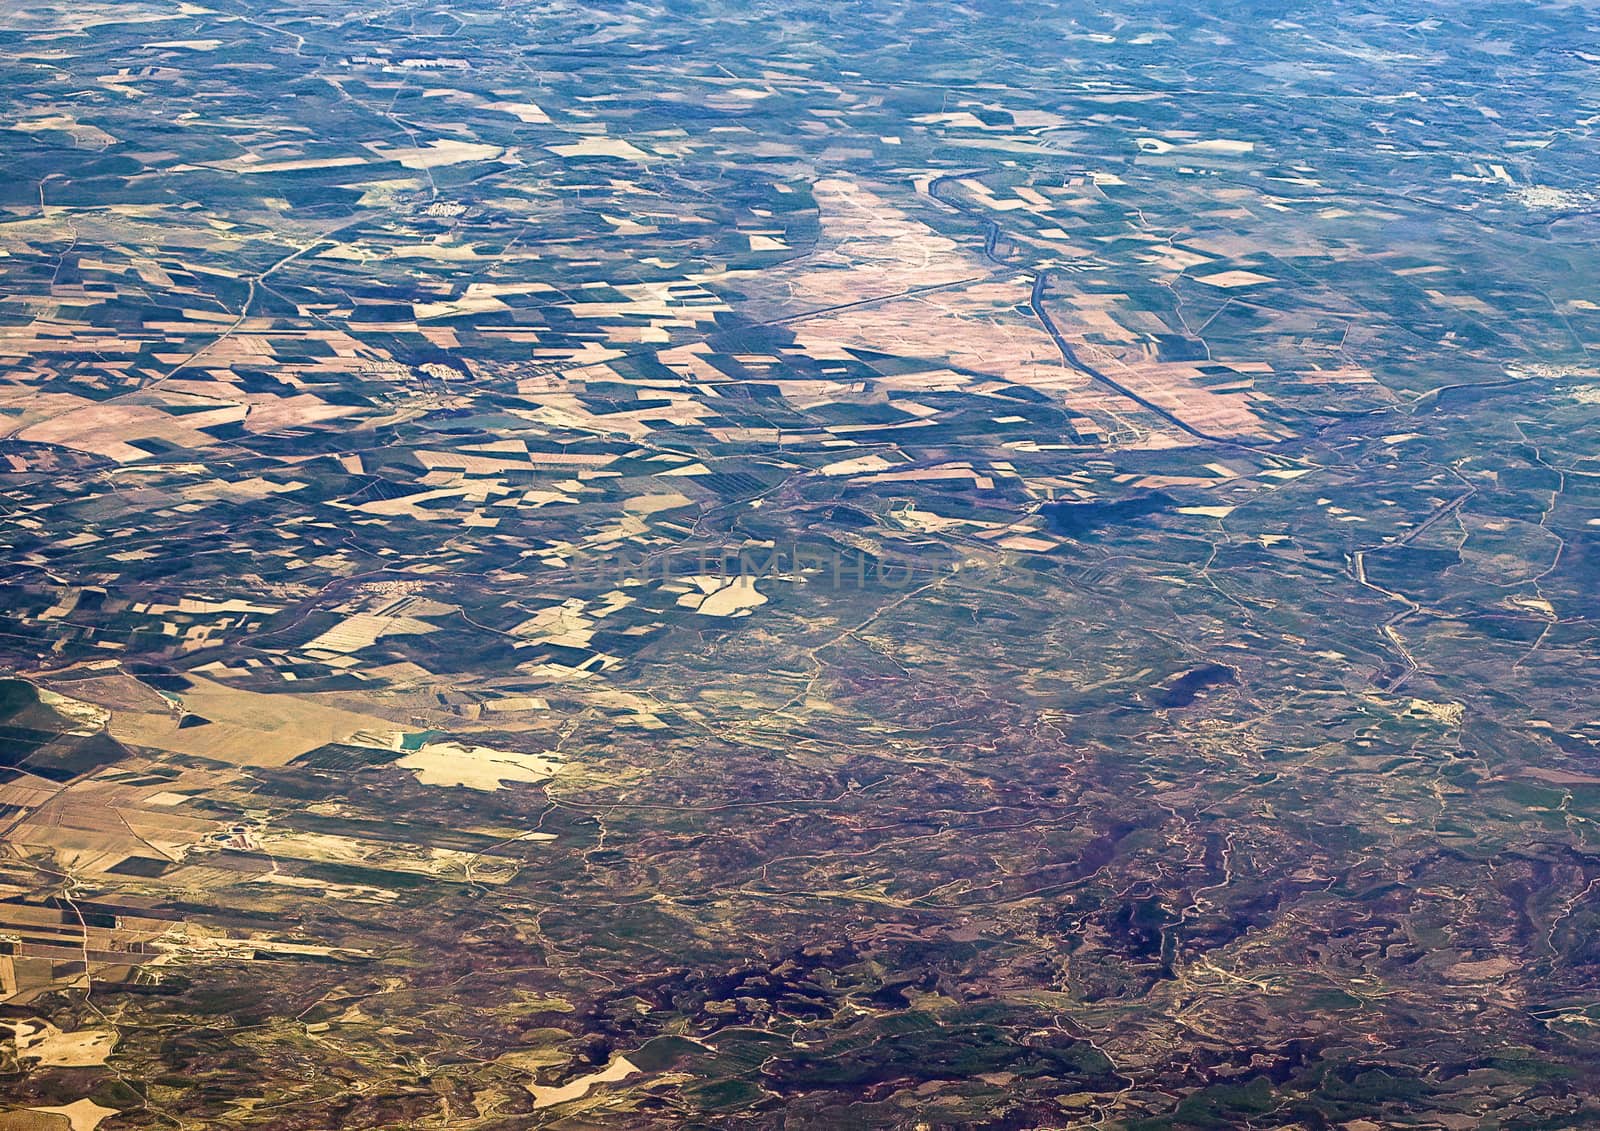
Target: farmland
<point x="723" y="566"/>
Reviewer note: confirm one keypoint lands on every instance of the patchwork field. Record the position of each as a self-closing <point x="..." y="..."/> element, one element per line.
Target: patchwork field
<point x="903" y="566"/>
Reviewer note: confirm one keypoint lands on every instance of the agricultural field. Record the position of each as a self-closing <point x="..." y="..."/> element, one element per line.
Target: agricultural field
<point x="711" y="565"/>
